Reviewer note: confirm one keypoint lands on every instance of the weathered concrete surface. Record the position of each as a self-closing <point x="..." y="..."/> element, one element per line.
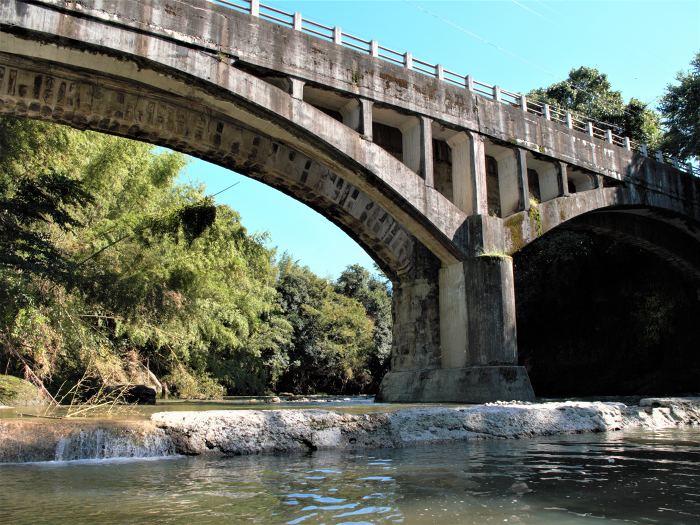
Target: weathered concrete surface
<point x="237" y="432"/>
<point x="264" y="47"/>
<point x="523" y="228"/>
<point x="474" y="384"/>
<point x="23" y="440"/>
<point x="255" y="432"/>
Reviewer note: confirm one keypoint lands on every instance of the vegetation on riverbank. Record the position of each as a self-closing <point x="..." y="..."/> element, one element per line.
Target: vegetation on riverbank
<point x="112" y="271"/>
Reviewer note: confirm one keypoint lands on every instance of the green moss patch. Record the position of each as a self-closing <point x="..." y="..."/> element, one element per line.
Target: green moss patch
<point x="15" y="391"/>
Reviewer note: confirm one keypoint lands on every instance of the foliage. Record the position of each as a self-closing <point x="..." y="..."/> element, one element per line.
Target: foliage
<point x="588" y="91"/>
<point x="375" y="295"/>
<point x="680" y="108"/>
<point x="16" y="391"/>
<point x="109" y="265"/>
<point x="333" y="346"/>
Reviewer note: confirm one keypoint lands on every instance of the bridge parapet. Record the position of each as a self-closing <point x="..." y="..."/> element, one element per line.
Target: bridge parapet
<point x="572" y="120"/>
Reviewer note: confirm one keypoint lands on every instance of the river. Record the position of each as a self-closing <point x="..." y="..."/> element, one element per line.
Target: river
<point x="631" y="477"/>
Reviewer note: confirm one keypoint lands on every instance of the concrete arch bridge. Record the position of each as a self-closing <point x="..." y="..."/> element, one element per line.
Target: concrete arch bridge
<point x="439" y="183"/>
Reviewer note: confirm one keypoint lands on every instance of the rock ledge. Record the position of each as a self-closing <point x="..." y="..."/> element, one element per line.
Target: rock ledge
<point x="275" y="431"/>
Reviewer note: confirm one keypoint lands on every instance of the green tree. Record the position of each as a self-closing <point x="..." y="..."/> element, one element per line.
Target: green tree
<point x="589" y="92"/>
<point x="110" y="266"/>
<point x="159" y="276"/>
<point x="332" y="334"/>
<point x="680" y="108"/>
<point x="375" y="295"/>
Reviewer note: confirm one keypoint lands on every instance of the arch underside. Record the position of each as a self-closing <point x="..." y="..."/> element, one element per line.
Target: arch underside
<point x="607" y="303"/>
<point x="85" y="100"/>
<point x="667" y="236"/>
<point x="650" y="219"/>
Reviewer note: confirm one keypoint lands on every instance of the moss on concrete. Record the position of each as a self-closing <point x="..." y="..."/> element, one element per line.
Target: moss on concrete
<point x="498" y="255"/>
<point x="15" y="391"/>
<point x="535" y="216"/>
<point x="514" y="225"/>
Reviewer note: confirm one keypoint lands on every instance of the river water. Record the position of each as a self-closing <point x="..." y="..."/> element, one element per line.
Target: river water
<point x="593" y="478"/>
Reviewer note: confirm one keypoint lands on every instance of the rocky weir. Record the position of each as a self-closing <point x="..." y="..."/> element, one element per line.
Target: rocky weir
<point x="238" y="432"/>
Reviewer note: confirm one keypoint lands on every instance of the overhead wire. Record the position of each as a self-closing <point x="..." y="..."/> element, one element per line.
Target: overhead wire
<point x="529" y="9"/>
<point x="512" y="54"/>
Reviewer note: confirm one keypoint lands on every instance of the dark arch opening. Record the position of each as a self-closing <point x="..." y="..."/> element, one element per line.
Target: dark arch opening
<point x="604" y="314"/>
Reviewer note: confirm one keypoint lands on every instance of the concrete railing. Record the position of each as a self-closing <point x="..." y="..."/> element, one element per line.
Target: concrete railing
<point x="575" y="121"/>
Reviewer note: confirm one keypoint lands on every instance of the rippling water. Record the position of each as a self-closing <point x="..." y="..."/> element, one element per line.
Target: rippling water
<point x="630" y="478"/>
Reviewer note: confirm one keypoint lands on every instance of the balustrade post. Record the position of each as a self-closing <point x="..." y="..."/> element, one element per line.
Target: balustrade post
<point x="440" y="72"/>
<point x="609" y="136"/>
<point x="469" y="83"/>
<point x="523" y="103"/>
<point x="589" y="125"/>
<point x="497" y="93"/>
<point x="408" y="60"/>
<point x="374" y="48"/>
<point x="297" y="21"/>
<point x="569" y="120"/>
<point x="628" y="144"/>
<point x="255" y="7"/>
<point x="547" y="112"/>
<point x="337" y="36"/>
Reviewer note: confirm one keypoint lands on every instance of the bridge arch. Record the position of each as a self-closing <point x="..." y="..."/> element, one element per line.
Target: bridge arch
<point x="204" y="106"/>
<point x="607" y="304"/>
<point x="230" y="88"/>
<point x="526" y="227"/>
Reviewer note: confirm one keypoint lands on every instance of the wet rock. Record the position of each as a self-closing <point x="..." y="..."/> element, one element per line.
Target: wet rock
<point x="520" y="488"/>
<point x="236" y="432"/>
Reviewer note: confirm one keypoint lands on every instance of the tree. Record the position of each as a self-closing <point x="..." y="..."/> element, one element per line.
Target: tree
<point x="158" y="275"/>
<point x="375" y="295"/>
<point x="108" y="265"/>
<point x="332" y="340"/>
<point x="588" y="91"/>
<point x="680" y="108"/>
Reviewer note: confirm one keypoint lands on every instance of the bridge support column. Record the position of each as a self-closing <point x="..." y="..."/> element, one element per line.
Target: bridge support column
<point x="548" y="179"/>
<point x="417" y="136"/>
<point x="357" y="114"/>
<point x="563" y="179"/>
<point x="512" y="180"/>
<point x="477" y="358"/>
<point x="295" y="87"/>
<point x="469" y="173"/>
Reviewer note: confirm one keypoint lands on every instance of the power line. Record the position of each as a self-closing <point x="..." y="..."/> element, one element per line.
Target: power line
<point x="478" y="37"/>
<point x="536" y="13"/>
<point x="221" y="191"/>
<point x="515" y="55"/>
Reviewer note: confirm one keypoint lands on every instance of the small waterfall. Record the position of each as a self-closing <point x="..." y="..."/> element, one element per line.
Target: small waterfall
<point x="106" y="443"/>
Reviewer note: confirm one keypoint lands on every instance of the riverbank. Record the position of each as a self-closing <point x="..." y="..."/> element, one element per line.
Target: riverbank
<point x="241" y="432"/>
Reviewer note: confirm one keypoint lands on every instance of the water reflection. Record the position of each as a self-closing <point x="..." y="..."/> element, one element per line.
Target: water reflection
<point x="631" y="478"/>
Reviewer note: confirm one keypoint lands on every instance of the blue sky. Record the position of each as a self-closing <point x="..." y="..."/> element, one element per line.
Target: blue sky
<point x="517" y="44"/>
